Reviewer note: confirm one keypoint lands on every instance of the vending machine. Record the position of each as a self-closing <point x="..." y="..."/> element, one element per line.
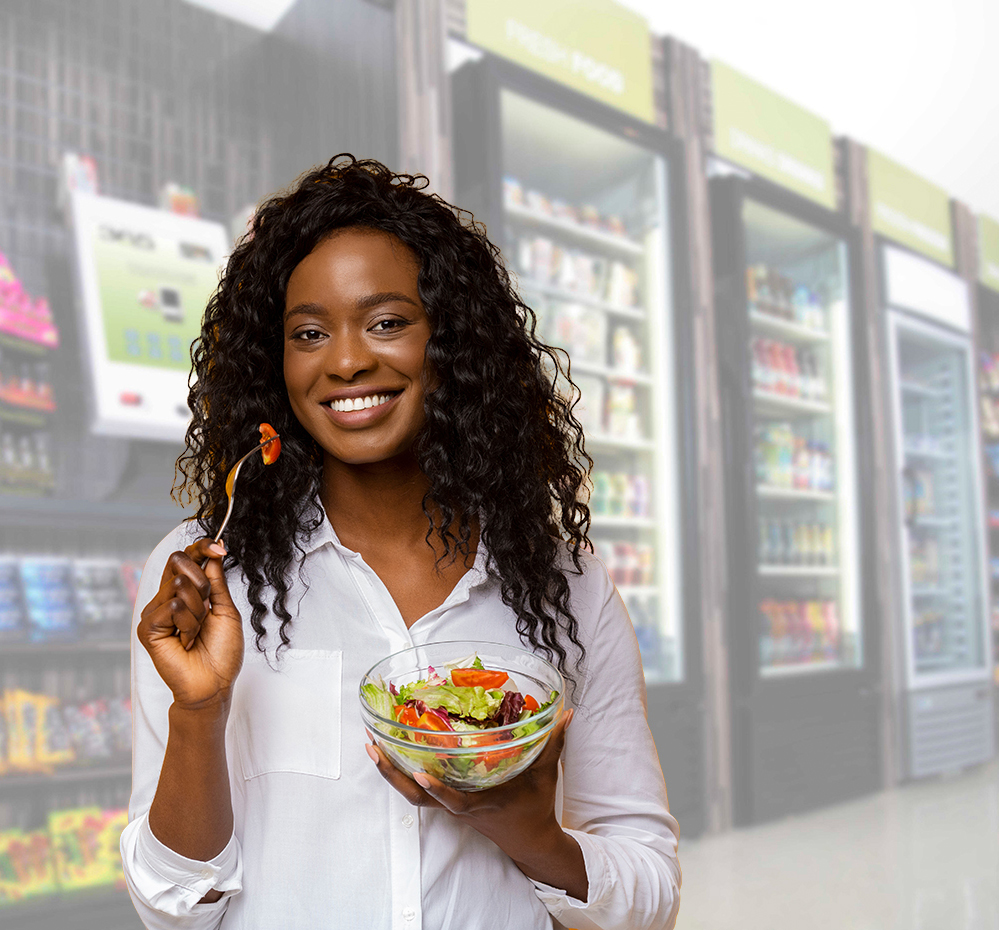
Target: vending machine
<point x="801" y="638"/>
<point x="583" y="200"/>
<point x="946" y="701"/>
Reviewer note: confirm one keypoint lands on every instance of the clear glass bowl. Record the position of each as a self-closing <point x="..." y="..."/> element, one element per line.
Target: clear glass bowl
<point x="470" y="761"/>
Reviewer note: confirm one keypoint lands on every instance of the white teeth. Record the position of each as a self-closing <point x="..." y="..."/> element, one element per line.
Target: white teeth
<point x="360" y="403"/>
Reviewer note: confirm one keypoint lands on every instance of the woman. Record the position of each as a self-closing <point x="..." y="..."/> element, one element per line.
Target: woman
<point x="427" y="490"/>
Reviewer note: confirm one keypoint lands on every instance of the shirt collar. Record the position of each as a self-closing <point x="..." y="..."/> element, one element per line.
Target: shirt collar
<point x="324" y="533"/>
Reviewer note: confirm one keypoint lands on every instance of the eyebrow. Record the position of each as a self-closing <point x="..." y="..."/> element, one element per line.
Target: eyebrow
<point x="362" y="303"/>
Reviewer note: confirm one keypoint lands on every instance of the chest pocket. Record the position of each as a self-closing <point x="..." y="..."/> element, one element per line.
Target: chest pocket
<point x="288" y="715"/>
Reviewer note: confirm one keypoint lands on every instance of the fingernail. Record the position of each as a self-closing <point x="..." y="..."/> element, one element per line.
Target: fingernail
<point x="216" y="549"/>
<point x="370" y="750"/>
<point x="421" y="780"/>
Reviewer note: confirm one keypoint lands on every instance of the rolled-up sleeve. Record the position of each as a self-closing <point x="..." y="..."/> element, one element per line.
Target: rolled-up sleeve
<point x="165" y="886"/>
<point x="613" y="795"/>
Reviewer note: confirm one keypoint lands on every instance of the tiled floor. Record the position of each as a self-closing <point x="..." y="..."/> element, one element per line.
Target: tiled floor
<point x="924" y="856"/>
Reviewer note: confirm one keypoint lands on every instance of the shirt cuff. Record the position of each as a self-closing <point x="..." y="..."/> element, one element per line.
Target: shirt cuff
<point x="599" y="880"/>
<point x="174" y="884"/>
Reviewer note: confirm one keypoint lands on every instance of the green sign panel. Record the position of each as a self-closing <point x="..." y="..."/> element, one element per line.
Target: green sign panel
<point x="772" y="137"/>
<point x="988" y="252"/>
<point x="594" y="46"/>
<point x="909" y="209"/>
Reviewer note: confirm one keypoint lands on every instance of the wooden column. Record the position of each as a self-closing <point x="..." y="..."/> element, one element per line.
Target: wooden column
<point x="424" y="95"/>
<point x="687" y="93"/>
<point x="854" y="160"/>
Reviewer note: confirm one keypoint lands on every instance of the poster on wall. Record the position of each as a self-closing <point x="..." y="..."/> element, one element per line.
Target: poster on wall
<point x="145" y="278"/>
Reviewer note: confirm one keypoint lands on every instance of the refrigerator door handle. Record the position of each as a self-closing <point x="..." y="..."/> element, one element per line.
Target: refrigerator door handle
<point x="909" y="495"/>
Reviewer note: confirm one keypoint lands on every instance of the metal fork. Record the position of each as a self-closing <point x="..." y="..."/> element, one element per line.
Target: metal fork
<point x="230" y="486"/>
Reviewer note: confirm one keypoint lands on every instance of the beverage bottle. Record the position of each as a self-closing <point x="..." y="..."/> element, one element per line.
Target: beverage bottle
<point x="764" y="543"/>
<point x="806" y="363"/>
<point x="832" y="627"/>
<point x="751" y="296"/>
<point x="640" y="492"/>
<point x="815" y="471"/>
<point x="801" y="463"/>
<point x="775" y="547"/>
<point x="793" y="371"/>
<point x="756" y="362"/>
<point x="618" y="494"/>
<point x="829" y="544"/>
<point x="829" y="479"/>
<point x="778" y="378"/>
<point x="791" y="554"/>
<point x="786" y="456"/>
<point x="600" y="501"/>
<point x="801" y="545"/>
<point x="820" y="390"/>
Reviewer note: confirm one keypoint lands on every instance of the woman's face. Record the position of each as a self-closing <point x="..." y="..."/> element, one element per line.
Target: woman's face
<point x="355" y="333"/>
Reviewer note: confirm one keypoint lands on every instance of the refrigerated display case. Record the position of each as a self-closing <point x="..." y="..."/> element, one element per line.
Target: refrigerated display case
<point x="947" y="705"/>
<point x="801" y="646"/>
<point x="582" y="200"/>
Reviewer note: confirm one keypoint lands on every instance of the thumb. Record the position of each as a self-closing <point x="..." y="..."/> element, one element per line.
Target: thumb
<point x="219" y="592"/>
<point x="556" y="742"/>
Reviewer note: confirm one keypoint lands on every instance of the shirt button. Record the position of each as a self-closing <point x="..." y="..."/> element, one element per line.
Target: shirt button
<point x="207" y="873"/>
<point x="407" y="821"/>
<point x="409" y="913"/>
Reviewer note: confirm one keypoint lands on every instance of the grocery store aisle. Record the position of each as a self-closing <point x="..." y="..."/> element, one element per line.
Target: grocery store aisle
<point x="921" y="857"/>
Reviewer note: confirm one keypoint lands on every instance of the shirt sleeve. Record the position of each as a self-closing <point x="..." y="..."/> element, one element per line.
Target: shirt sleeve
<point x="614" y="796"/>
<point x="165" y="886"/>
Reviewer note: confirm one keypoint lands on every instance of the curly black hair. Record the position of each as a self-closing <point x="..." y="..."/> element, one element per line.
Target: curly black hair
<point x="500" y="440"/>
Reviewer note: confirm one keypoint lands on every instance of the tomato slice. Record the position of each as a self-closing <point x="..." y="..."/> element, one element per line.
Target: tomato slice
<point x="434" y="722"/>
<point x="530" y="703"/>
<point x="492" y="756"/>
<point x="272" y="450"/>
<point x="409" y="716"/>
<point x="477" y="678"/>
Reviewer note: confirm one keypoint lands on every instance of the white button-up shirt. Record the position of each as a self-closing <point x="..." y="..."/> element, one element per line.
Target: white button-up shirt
<point x="320" y="839"/>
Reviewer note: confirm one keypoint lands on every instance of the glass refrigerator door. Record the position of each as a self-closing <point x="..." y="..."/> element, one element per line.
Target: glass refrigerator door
<point x="804" y="448"/>
<point x="941" y="534"/>
<point x="586" y="235"/>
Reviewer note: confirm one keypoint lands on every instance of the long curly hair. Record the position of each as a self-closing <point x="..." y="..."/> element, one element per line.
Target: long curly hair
<point x="500" y="440"/>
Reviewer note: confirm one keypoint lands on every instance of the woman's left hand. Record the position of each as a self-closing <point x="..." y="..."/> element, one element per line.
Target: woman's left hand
<point x="518" y="816"/>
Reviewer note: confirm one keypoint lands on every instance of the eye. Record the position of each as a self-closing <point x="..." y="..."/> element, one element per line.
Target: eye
<point x="308" y="335"/>
<point x="387" y="325"/>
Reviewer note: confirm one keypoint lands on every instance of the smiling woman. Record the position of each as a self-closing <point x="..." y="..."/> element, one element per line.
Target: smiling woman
<point x="430" y="489"/>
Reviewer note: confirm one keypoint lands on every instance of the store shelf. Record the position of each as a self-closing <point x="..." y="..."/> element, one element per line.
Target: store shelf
<point x="88" y="909"/>
<point x="935" y="454"/>
<point x="607" y="521"/>
<point x="921" y="390"/>
<point x="630" y="313"/>
<point x="799" y="571"/>
<point x="800" y="668"/>
<point x="778" y="326"/>
<point x="74" y="647"/>
<point x="781" y="404"/>
<point x="617" y="442"/>
<point x="611" y="374"/>
<point x="637" y="590"/>
<point x="61" y="513"/>
<point x="65" y="776"/>
<point x="791" y="494"/>
<point x="927" y="591"/>
<point x="593" y="237"/>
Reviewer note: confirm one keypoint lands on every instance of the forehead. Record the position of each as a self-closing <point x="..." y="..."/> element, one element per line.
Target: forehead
<point x="355" y="257"/>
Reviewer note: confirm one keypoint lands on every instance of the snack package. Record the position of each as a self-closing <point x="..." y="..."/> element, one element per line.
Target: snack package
<point x="53" y="745"/>
<point x="47" y="584"/>
<point x="12" y="619"/>
<point x="11" y="885"/>
<point x="28" y="857"/>
<point x="76" y="842"/>
<point x="108" y="845"/>
<point x="104" y="609"/>
<point x="23" y="716"/>
<point x="85" y="723"/>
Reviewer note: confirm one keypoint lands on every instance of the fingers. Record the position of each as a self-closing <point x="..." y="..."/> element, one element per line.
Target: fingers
<point x="399" y="780"/>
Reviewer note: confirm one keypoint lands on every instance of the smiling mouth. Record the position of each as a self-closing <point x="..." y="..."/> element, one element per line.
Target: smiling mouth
<point x="360" y="403"/>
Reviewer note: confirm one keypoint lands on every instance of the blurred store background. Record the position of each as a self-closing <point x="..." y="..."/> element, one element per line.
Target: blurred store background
<point x="766" y="243"/>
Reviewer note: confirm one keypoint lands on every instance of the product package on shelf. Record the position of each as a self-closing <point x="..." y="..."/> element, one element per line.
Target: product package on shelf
<point x="27" y="867"/>
<point x="104" y="608"/>
<point x="585" y="215"/>
<point x="27" y="337"/>
<point x="13" y="626"/>
<point x="797" y="632"/>
<point x="40" y="734"/>
<point x="788" y="370"/>
<point x="47" y="586"/>
<point x="796" y="542"/>
<point x="619" y="494"/>
<point x="580" y="330"/>
<point x="789" y="460"/>
<point x="775" y="294"/>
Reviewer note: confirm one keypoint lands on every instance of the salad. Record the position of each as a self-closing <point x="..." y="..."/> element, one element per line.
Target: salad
<point x="465" y="707"/>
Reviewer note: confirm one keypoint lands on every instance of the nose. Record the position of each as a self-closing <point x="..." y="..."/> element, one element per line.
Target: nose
<point x="348" y="355"/>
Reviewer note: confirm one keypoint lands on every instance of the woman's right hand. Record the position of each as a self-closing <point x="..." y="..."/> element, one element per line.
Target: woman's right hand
<point x="201" y="664"/>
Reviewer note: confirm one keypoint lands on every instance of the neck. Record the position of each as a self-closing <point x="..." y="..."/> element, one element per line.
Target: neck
<point x="379" y="504"/>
